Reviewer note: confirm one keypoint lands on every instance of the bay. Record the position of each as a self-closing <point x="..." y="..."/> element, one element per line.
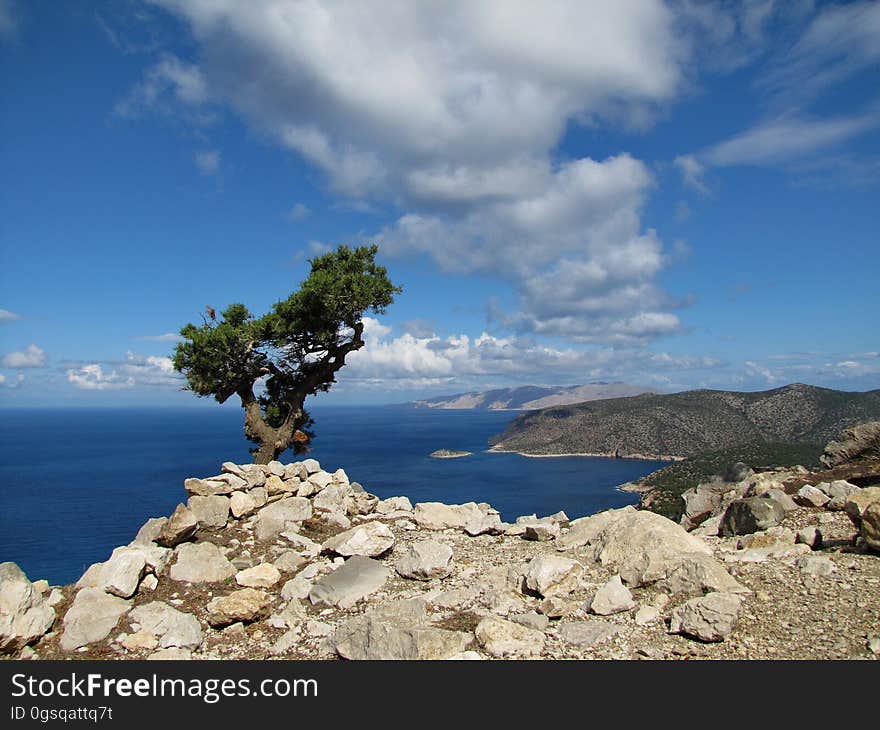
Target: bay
<point x="74" y="484"/>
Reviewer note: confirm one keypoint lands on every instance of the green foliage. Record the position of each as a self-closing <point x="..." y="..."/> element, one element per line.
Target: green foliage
<point x="670" y="482"/>
<point x="298" y="346"/>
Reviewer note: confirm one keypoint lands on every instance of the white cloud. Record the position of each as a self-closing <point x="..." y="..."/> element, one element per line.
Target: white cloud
<point x="165" y="85"/>
<point x="839" y="42"/>
<point x="136" y="370"/>
<point x="167" y="337"/>
<point x="7" y="316"/>
<point x="11" y="383"/>
<point x="297" y="212"/>
<point x="780" y="140"/>
<point x="452" y="112"/>
<point x="31" y="357"/>
<point x="408" y="361"/>
<point x="207" y="161"/>
<point x="93" y="377"/>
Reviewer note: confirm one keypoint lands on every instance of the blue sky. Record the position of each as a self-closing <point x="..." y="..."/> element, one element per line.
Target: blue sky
<point x="672" y="194"/>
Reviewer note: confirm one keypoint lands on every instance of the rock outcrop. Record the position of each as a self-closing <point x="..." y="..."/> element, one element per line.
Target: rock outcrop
<point x="292" y="561"/>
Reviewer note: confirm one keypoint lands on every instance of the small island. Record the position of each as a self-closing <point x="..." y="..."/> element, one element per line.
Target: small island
<point x="449" y="454"/>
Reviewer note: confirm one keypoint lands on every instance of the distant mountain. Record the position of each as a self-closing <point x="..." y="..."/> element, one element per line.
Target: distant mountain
<point x="684" y="424"/>
<point x="528" y="397"/>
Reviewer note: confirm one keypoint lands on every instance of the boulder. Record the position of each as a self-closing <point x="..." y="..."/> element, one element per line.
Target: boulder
<point x="371" y="539"/>
<point x="698" y="504"/>
<point x="439" y="516"/>
<point x="506" y="639"/>
<point x="242" y="504"/>
<point x="289" y="561"/>
<point x="273" y="518"/>
<point x="91" y="617"/>
<point x="393" y="504"/>
<point x="858" y="502"/>
<point x="150" y="531"/>
<point x="542" y="532"/>
<point x="708" y="618"/>
<point x="613" y="597"/>
<point x="697" y="574"/>
<point x="311" y="466"/>
<point x="586" y="634"/>
<point x="781" y="498"/>
<point x="396" y="632"/>
<point x="857" y="443"/>
<point x="225" y="484"/>
<point x="870" y="526"/>
<point x="348" y="584"/>
<point x="25" y="615"/>
<point x="744" y="516"/>
<point x="212" y="511"/>
<point x="276" y="468"/>
<point x="643" y="547"/>
<point x="425" y="560"/>
<point x="245" y="605"/>
<point x="334" y="498"/>
<point x="264" y="575"/>
<point x="809" y="496"/>
<point x="202" y="562"/>
<point x="552" y="575"/>
<point x="181" y="526"/>
<point x="170" y="626"/>
<point x="585" y="530"/>
<point x="122" y="573"/>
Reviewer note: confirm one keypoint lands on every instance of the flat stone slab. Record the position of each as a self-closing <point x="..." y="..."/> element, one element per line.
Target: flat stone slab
<point x="91" y="617"/>
<point x="586" y="634"/>
<point x="348" y="584"/>
<point x="172" y="627"/>
<point x="201" y="562"/>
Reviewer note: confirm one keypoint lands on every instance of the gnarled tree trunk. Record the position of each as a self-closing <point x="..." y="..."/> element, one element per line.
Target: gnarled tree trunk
<point x="272" y="441"/>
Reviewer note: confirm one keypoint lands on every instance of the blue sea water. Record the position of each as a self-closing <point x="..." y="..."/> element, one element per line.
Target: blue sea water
<point x="74" y="484"/>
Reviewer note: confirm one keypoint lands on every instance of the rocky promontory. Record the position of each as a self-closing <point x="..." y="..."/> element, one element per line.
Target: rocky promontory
<point x="293" y="561"/>
<point x="449" y="454"/>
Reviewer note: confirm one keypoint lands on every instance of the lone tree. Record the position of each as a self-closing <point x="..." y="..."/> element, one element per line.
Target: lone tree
<point x="297" y="347"/>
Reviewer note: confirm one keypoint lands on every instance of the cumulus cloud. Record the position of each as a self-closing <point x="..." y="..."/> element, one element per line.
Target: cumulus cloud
<point x="452" y="113"/>
<point x="11" y="382"/>
<point x="93" y="377"/>
<point x="408" y="361"/>
<point x="7" y="316"/>
<point x="135" y="370"/>
<point x="31" y="357"/>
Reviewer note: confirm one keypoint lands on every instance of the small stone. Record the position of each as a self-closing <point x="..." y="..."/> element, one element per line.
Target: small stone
<point x="611" y="598"/>
<point x="810" y="536"/>
<point x="140" y="640"/>
<point x="708" y="618"/>
<point x="647" y="615"/>
<point x="425" y="560"/>
<point x="586" y="634"/>
<point x="809" y="496"/>
<point x="345" y="586"/>
<point x="371" y="540"/>
<point x="202" y="562"/>
<point x="532" y="619"/>
<point x="245" y="605"/>
<point x="542" y="532"/>
<point x="501" y="638"/>
<point x="264" y="575"/>
<point x="556" y="607"/>
<point x="817" y="565"/>
<point x="552" y="575"/>
<point x="91" y="618"/>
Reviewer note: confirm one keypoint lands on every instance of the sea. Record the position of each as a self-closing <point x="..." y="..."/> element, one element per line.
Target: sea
<point x="76" y="483"/>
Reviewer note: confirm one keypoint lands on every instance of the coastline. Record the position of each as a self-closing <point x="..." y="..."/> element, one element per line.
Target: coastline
<point x="603" y="455"/>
